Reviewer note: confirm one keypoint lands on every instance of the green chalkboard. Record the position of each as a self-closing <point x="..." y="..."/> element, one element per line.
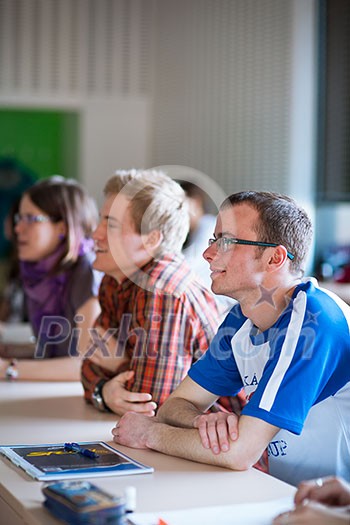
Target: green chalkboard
<point x="45" y="141"/>
<point x="40" y="143"/>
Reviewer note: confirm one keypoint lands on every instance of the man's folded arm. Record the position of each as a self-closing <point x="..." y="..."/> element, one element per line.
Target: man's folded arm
<point x="185" y="403"/>
<point x="254" y="436"/>
<point x="175" y="433"/>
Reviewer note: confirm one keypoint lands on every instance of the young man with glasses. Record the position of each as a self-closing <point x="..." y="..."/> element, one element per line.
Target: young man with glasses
<point x="286" y="342"/>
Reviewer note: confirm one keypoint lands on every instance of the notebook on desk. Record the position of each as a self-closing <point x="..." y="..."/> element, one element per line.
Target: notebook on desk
<point x="46" y="462"/>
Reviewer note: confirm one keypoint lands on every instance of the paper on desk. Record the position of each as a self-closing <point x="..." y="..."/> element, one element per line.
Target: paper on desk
<point x="238" y="514"/>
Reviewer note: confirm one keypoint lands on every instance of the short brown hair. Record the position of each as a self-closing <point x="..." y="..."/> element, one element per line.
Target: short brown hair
<point x="281" y="221"/>
<point x="157" y="203"/>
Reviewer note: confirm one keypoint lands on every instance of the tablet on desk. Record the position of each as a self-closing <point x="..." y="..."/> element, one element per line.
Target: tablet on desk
<point x="54" y="461"/>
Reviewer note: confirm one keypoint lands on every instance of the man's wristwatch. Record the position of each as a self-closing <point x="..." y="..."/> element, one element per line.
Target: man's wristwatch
<point x="97" y="397"/>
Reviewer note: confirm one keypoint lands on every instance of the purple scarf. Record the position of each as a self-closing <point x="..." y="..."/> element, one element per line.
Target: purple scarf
<point x="45" y="293"/>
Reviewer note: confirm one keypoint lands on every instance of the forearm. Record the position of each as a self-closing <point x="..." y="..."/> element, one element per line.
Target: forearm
<point x="89" y="312"/>
<point x="173" y="432"/>
<point x="55" y="369"/>
<point x="186" y="402"/>
<point x="178" y="412"/>
<point x="185" y="443"/>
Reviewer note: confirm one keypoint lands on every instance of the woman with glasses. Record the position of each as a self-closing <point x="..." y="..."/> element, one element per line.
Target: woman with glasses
<point x="53" y="229"/>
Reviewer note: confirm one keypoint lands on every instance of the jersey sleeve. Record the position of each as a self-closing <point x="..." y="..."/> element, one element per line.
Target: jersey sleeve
<point x="216" y="370"/>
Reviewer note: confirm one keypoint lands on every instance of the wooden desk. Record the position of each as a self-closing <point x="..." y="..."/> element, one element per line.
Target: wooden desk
<point x="56" y="412"/>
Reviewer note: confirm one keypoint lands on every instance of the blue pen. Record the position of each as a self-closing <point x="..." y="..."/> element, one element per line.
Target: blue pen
<point x="80" y="450"/>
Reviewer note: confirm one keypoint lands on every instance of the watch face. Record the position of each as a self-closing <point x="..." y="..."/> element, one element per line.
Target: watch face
<point x="97" y="400"/>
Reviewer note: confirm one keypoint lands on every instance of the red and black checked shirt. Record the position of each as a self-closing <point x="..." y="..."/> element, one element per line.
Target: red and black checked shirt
<point x="165" y="322"/>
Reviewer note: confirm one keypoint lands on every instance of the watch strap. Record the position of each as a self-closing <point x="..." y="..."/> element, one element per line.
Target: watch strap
<point x="97" y="397"/>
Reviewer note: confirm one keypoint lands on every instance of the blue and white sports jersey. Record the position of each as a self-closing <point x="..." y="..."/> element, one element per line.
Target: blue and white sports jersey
<point x="299" y="373"/>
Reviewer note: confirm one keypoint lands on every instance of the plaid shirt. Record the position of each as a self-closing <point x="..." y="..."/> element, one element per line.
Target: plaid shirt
<point x="164" y="323"/>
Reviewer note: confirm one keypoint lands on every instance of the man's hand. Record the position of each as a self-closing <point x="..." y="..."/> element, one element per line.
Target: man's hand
<point x="217" y="430"/>
<point x="313" y="513"/>
<point x="330" y="491"/>
<point x="132" y="430"/>
<point x="120" y="400"/>
<point x="322" y="501"/>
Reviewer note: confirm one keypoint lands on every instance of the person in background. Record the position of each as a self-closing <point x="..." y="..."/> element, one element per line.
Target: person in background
<point x="202" y="226"/>
<point x="15" y="178"/>
<point x="286" y="341"/>
<point x="53" y="233"/>
<point x="156" y="319"/>
<point x="323" y="501"/>
<point x="12" y="303"/>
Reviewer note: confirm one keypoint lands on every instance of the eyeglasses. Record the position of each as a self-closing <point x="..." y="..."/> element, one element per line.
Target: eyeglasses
<point x="223" y="243"/>
<point x="28" y="218"/>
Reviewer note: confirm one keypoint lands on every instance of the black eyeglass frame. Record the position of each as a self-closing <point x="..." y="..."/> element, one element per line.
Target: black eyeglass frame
<point x="232" y="240"/>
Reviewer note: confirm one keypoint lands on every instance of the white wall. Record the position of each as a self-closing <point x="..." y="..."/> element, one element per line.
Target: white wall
<point x="226" y="86"/>
<point x="235" y="92"/>
<point x="303" y="104"/>
<point x="303" y="107"/>
<point x="115" y="135"/>
<point x="93" y="57"/>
